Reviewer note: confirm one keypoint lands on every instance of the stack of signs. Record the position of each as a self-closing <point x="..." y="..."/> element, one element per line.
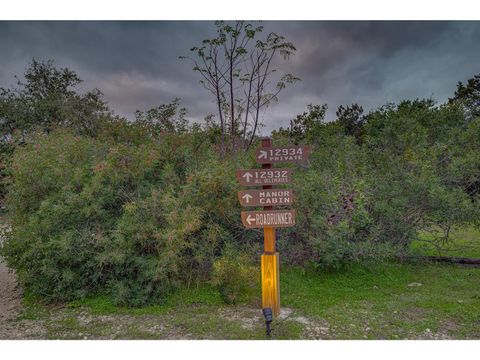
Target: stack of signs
<point x="268" y="196"/>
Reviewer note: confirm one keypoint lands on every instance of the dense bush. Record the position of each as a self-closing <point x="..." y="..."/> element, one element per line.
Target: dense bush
<point x="235" y="275"/>
<point x="134" y="219"/>
<point x="334" y="197"/>
<point x="102" y="205"/>
<point x="412" y="171"/>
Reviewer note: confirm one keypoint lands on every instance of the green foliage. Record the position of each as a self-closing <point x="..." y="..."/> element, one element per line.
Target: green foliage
<point x="46" y="98"/>
<point x="138" y="210"/>
<point x="468" y="95"/>
<point x="134" y="220"/>
<point x="302" y="127"/>
<point x="351" y="119"/>
<point x="235" y="276"/>
<point x="415" y="148"/>
<point x="415" y="170"/>
<point x="333" y="202"/>
<point x="168" y="118"/>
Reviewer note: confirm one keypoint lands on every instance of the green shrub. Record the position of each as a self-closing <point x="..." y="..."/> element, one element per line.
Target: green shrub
<point x="148" y="255"/>
<point x="415" y="170"/>
<point x="136" y="214"/>
<point x="235" y="276"/>
<point x="135" y="220"/>
<point x="51" y="245"/>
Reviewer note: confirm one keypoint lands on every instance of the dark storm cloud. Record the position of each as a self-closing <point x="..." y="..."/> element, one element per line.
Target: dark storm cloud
<point x="373" y="63"/>
<point x="328" y="43"/>
<point x="136" y="64"/>
<point x="107" y="47"/>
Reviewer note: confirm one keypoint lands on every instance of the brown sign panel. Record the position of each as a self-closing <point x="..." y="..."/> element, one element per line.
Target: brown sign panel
<point x="272" y="218"/>
<point x="271" y="155"/>
<point x="254" y="177"/>
<point x="270" y="197"/>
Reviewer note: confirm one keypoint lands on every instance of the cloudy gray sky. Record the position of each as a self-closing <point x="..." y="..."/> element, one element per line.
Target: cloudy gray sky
<point x="136" y="65"/>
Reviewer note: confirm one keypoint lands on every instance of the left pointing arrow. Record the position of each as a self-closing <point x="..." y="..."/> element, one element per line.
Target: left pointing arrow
<point x="250" y="219"/>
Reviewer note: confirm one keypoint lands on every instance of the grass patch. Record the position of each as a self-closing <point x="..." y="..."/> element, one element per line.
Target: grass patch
<point x="464" y="242"/>
<point x="380" y="301"/>
<point x="390" y="300"/>
<point x="32" y="308"/>
<point x="202" y="295"/>
<point x="384" y="301"/>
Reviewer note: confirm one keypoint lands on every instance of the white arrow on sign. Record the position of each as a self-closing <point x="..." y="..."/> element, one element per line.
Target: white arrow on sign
<point x="247" y="198"/>
<point x="263" y="154"/>
<point x="249" y="219"/>
<point x="247" y="176"/>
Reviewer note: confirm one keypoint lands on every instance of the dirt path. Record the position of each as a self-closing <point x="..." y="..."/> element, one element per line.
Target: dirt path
<point x="10" y="300"/>
<point x="10" y="303"/>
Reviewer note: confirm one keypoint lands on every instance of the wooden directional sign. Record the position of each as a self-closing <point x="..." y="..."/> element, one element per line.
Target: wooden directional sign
<point x="254" y="177"/>
<point x="270" y="197"/>
<point x="271" y="155"/>
<point x="272" y="218"/>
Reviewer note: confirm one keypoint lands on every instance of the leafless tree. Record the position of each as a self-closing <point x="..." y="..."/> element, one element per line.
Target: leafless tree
<point x="237" y="69"/>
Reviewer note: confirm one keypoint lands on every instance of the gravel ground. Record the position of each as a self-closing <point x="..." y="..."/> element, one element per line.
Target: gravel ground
<point x="10" y="301"/>
<point x="11" y="305"/>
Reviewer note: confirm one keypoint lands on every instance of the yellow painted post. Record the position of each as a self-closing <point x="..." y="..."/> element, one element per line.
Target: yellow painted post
<point x="271" y="282"/>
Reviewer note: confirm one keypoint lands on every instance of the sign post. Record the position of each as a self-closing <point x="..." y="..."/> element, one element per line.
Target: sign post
<point x="270" y="263"/>
<point x="268" y="219"/>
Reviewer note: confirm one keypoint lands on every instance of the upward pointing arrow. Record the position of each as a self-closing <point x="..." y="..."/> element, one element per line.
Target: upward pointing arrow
<point x="249" y="219"/>
<point x="263" y="155"/>
<point x="247" y="198"/>
<point x="247" y="176"/>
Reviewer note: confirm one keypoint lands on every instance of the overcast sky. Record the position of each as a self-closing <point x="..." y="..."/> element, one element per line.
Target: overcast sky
<point x="136" y="65"/>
